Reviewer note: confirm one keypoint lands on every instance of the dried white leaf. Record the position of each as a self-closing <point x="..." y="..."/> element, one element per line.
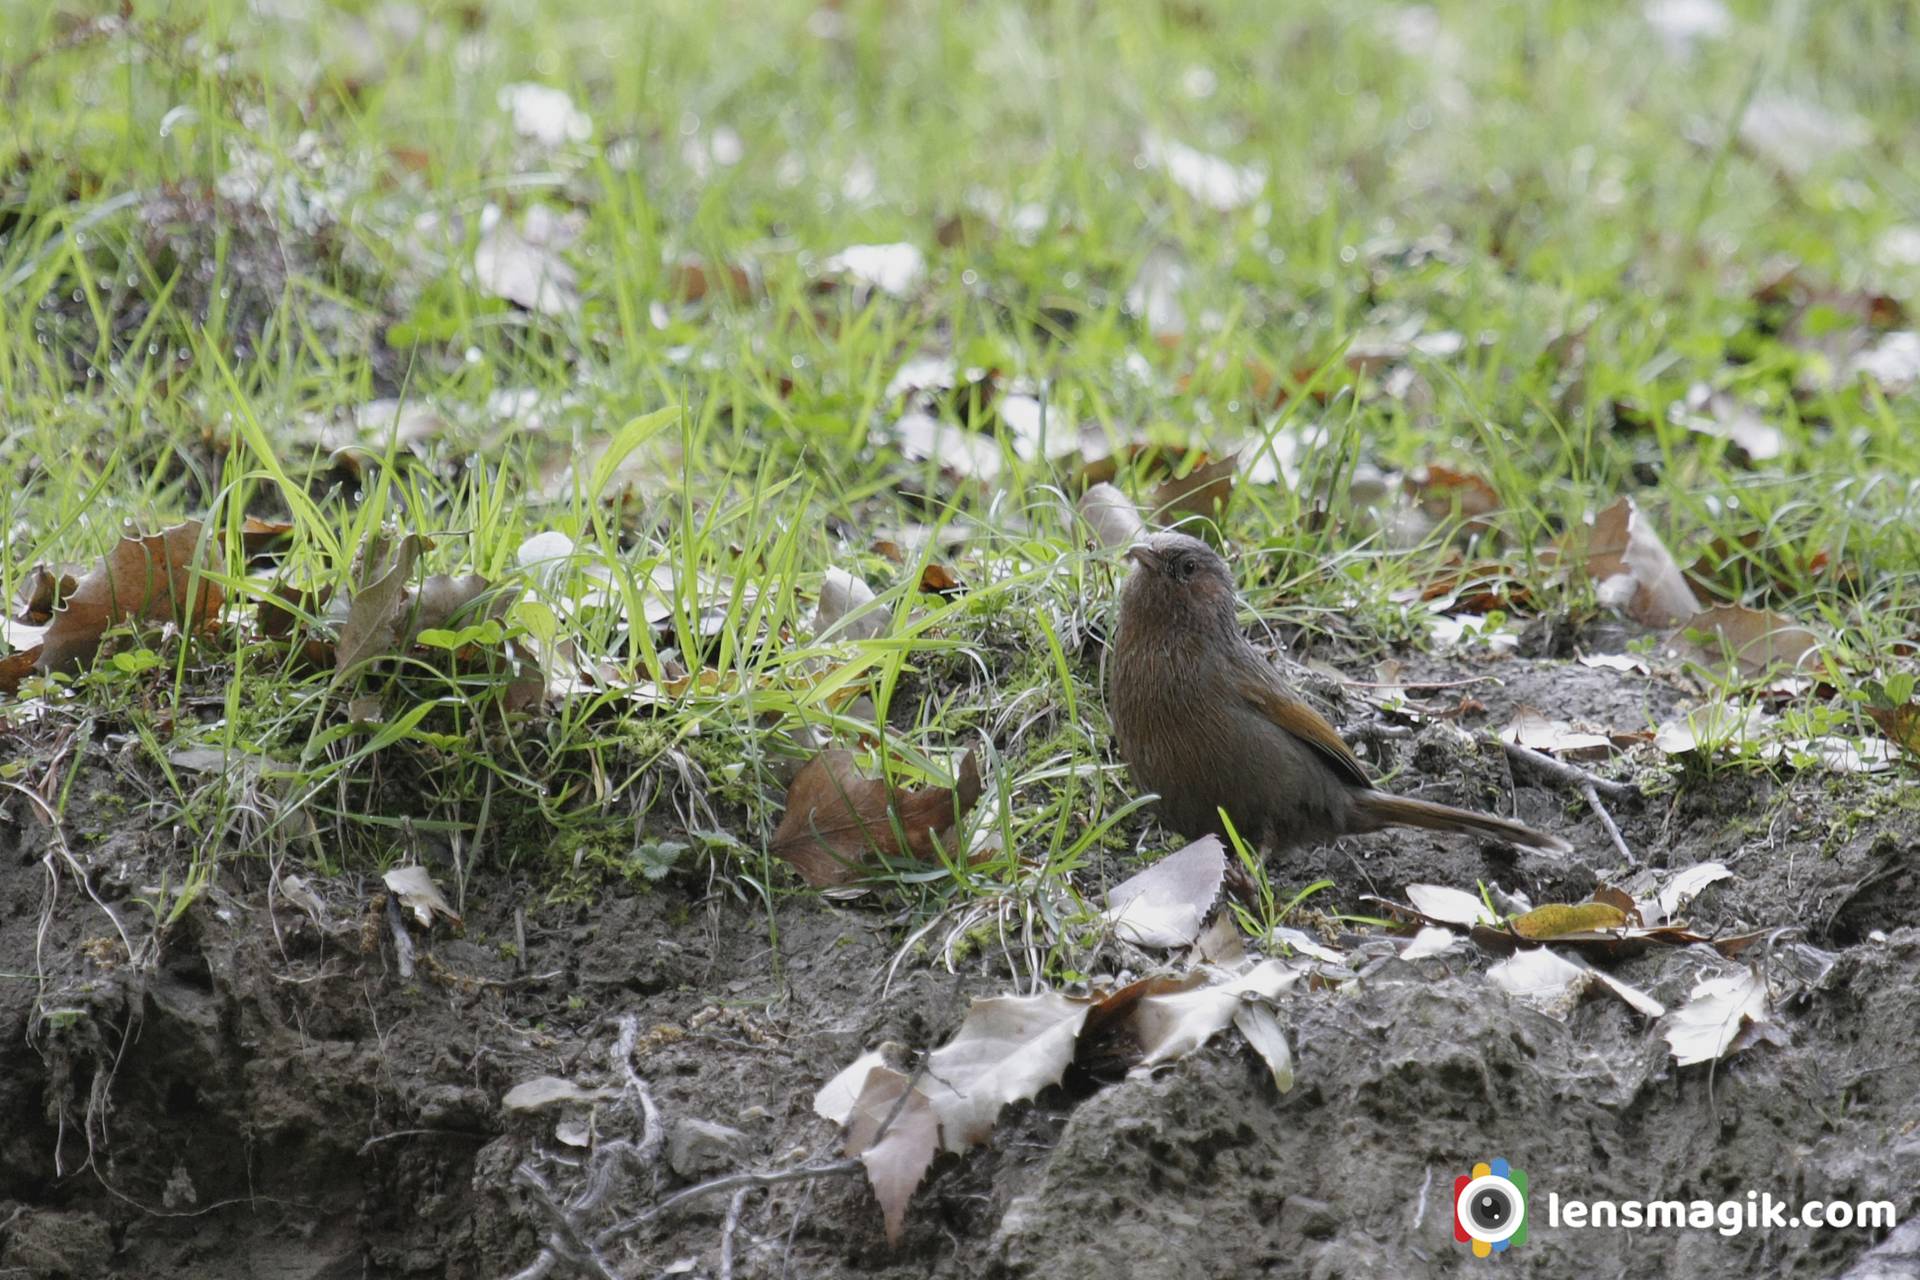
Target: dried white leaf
<point x="1261" y="1026"/>
<point x="544" y="114"/>
<point x="1113" y="517"/>
<point x="1165" y="905"/>
<point x="1169" y="1027"/>
<point x="1680" y="889"/>
<point x="1430" y="941"/>
<point x="1553" y="984"/>
<point x="836" y="1097"/>
<point x="419" y="894"/>
<point x="1705" y="1028"/>
<point x="1454" y="906"/>
<point x="1008" y="1049"/>
<point x="891" y="268"/>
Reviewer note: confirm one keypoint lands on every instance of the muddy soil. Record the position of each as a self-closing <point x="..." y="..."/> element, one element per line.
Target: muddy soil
<point x="257" y="1091"/>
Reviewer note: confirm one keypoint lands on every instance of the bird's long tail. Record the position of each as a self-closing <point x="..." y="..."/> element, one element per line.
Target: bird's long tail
<point x="1377" y="809"/>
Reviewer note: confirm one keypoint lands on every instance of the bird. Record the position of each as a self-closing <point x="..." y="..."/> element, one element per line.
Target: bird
<point x="1204" y="721"/>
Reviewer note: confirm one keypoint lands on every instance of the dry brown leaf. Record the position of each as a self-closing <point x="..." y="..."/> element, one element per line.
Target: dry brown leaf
<point x="16" y="667"/>
<point x="146" y="579"/>
<point x="256" y="535"/>
<point x="938" y="580"/>
<point x="838" y="824"/>
<point x="39" y="592"/>
<point x="692" y="279"/>
<point x="1634" y="570"/>
<point x="1901" y="724"/>
<point x="283" y="607"/>
<point x="374" y="618"/>
<point x="1755" y="639"/>
<point x="1440" y="490"/>
<point x="1203" y="491"/>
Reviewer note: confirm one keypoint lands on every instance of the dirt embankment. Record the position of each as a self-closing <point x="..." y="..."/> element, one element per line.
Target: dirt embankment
<point x="261" y="1094"/>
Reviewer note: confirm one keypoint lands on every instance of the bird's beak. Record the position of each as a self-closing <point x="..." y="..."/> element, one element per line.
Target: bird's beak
<point x="1142" y="554"/>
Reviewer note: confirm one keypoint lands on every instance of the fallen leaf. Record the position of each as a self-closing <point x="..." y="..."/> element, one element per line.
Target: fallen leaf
<point x="1634" y="570"/>
<point x="1155" y="296"/>
<point x="1796" y="135"/>
<point x="1452" y="906"/>
<point x="938" y="580"/>
<point x="897" y="1159"/>
<point x="257" y="535"/>
<point x="1261" y="1026"/>
<point x="16" y="667"/>
<point x="1754" y="639"/>
<point x="542" y="1092"/>
<point x="1215" y="182"/>
<point x="1430" y="941"/>
<point x="1710" y="728"/>
<point x="1717" y="414"/>
<point x="848" y="610"/>
<point x="1901" y="724"/>
<point x="921" y="437"/>
<point x="1112" y="516"/>
<point x="836" y="1098"/>
<point x="145" y="579"/>
<point x="838" y="823"/>
<point x="1893" y="363"/>
<point x="692" y="279"/>
<point x="1553" y="984"/>
<point x="39" y="592"/>
<point x="544" y="114"/>
<point x="1531" y="727"/>
<point x="1203" y="491"/>
<point x="375" y="615"/>
<point x="1557" y="919"/>
<point x="510" y="265"/>
<point x="1007" y="1050"/>
<point x="1680" y="889"/>
<point x="1165" y="905"/>
<point x="895" y="269"/>
<point x="1169" y="1027"/>
<point x="1441" y="491"/>
<point x="1707" y="1027"/>
<point x="419" y="894"/>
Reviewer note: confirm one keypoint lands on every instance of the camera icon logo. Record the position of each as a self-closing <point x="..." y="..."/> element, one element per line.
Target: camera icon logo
<point x="1490" y="1207"/>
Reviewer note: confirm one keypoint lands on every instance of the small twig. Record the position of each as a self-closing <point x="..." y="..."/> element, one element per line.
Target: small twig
<point x="728" y="1229"/>
<point x="728" y="1182"/>
<point x="402" y="944"/>
<point x="1567" y="775"/>
<point x="793" y="1229"/>
<point x="1606" y="820"/>
<point x="566" y="1240"/>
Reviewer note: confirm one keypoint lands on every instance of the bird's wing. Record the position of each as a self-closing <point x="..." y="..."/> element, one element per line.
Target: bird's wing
<point x="1282" y="709"/>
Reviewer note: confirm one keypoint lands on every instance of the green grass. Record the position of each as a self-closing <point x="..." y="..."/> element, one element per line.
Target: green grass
<point x="221" y="237"/>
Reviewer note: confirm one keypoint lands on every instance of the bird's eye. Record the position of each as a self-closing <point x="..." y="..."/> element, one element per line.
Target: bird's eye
<point x="1183" y="567"/>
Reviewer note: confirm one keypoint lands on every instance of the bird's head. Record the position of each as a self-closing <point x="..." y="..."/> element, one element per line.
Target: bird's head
<point x="1179" y="578"/>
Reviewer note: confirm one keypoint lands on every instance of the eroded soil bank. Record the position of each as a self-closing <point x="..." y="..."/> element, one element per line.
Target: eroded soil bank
<point x="263" y="1095"/>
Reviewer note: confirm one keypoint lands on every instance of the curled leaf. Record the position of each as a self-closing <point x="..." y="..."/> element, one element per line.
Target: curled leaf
<point x="150" y="579"/>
